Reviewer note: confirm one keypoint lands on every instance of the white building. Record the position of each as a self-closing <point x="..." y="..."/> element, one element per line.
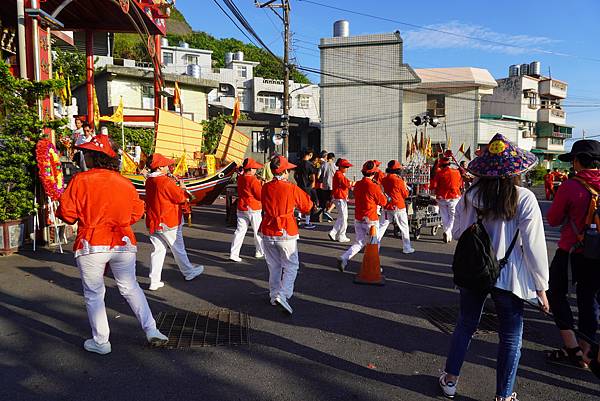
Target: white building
<point x="534" y="102"/>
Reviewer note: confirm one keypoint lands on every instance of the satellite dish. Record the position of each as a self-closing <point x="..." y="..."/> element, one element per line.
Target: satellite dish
<point x="277" y="139"/>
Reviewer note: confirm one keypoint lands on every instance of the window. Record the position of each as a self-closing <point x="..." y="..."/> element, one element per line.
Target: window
<point x="303" y="101"/>
<point x="533" y="102"/>
<point x="436" y="105"/>
<point x="259" y="141"/>
<point x="191" y="59"/>
<point x="167" y="58"/>
<point x="556" y="141"/>
<point x="242" y="71"/>
<point x="148" y="97"/>
<point x="270" y="102"/>
<point x="242" y="97"/>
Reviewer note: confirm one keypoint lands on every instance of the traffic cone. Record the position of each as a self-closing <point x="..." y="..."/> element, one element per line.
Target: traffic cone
<point x="370" y="269"/>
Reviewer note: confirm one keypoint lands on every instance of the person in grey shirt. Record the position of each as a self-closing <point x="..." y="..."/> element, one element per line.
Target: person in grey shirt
<point x="326" y="172"/>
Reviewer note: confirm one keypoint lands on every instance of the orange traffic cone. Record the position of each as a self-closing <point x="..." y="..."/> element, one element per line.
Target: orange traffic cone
<point x="370" y="269"/>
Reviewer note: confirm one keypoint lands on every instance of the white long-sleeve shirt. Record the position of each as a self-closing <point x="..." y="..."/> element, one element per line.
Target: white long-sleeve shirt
<point x="527" y="267"/>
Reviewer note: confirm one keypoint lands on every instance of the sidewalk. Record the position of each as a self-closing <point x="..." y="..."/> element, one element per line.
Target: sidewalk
<point x="344" y="342"/>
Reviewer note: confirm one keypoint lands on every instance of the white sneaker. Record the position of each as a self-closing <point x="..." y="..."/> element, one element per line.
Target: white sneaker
<point x="331" y="235"/>
<point x="408" y="251"/>
<point x="512" y="397"/>
<point x="448" y="387"/>
<point x="156" y="286"/>
<point x="341" y="264"/>
<point x="92" y="346"/>
<point x="258" y="255"/>
<point x="344" y="239"/>
<point x="284" y="304"/>
<point x="195" y="273"/>
<point x="309" y="226"/>
<point x="156" y="338"/>
<point x="235" y="258"/>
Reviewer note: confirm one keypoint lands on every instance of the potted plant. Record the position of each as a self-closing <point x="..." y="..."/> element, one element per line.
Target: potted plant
<point x="20" y="129"/>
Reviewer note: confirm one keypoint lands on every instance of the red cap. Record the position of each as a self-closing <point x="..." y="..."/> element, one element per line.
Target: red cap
<point x="99" y="143"/>
<point x="344" y="163"/>
<point x="284" y="164"/>
<point x="159" y="160"/>
<point x="377" y="163"/>
<point x="371" y="164"/>
<point x="250" y="163"/>
<point x="394" y="165"/>
<point x="448" y="153"/>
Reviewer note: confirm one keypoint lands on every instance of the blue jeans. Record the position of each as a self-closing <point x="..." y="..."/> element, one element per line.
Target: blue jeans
<point x="510" y="318"/>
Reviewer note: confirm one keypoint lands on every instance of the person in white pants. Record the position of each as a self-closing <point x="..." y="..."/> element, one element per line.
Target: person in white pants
<point x="279" y="231"/>
<point x="395" y="211"/>
<point x="447" y="184"/>
<point x="104" y="204"/>
<point x="341" y="187"/>
<point x="164" y="220"/>
<point x="367" y="196"/>
<point x="249" y="210"/>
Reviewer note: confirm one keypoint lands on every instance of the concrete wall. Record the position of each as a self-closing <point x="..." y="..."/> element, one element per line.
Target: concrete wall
<point x="489" y="128"/>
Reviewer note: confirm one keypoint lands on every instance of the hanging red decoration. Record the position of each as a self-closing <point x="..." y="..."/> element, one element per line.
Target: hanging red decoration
<point x="49" y="169"/>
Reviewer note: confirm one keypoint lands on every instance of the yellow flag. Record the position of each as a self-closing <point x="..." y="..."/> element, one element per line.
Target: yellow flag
<point x="63" y="92"/>
<point x="211" y="165"/>
<point x="69" y="95"/>
<point x="96" y="109"/>
<point x="117" y="116"/>
<point x="177" y="96"/>
<point x="128" y="166"/>
<point x="181" y="169"/>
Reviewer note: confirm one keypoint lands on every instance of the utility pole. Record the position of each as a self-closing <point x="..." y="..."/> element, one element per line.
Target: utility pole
<point x="285" y="117"/>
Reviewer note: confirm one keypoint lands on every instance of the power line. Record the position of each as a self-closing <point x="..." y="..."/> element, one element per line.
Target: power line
<point x="234" y="23"/>
<point x="450" y="33"/>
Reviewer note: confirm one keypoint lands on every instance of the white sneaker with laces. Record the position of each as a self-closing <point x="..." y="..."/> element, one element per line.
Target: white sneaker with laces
<point x="331" y="235"/>
<point x="259" y="255"/>
<point x="235" y="258"/>
<point x="156" y="338"/>
<point x="92" y="346"/>
<point x="156" y="286"/>
<point x="448" y="387"/>
<point x="284" y="304"/>
<point x="344" y="239"/>
<point x="408" y="251"/>
<point x="195" y="272"/>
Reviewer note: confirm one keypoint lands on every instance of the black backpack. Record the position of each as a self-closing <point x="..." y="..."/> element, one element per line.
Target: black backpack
<point x="475" y="265"/>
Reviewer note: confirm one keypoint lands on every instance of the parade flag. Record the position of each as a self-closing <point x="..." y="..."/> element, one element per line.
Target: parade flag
<point x="422" y="143"/>
<point x="416" y="139"/>
<point x="429" y="150"/>
<point x="181" y="169"/>
<point x="128" y="166"/>
<point x="407" y="154"/>
<point x="468" y="153"/>
<point x="462" y="148"/>
<point x="117" y="116"/>
<point x="236" y="111"/>
<point x="211" y="165"/>
<point x="96" y="109"/>
<point x="177" y="96"/>
<point x="449" y="144"/>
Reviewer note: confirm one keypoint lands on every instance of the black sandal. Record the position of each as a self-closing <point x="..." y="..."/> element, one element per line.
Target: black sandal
<point x="567" y="356"/>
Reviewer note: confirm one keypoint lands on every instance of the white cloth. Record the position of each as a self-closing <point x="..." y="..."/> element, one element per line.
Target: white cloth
<point x="244" y="219"/>
<point x="172" y="238"/>
<point x="283" y="263"/>
<point x="447" y="213"/>
<point x="527" y="267"/>
<point x="326" y="173"/>
<point x="400" y="218"/>
<point x="122" y="265"/>
<point x="341" y="222"/>
<point x="361" y="231"/>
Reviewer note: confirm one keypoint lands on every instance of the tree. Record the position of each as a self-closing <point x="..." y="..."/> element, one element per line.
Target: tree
<point x="20" y="129"/>
<point x="72" y="65"/>
<point x="213" y="128"/>
<point x="143" y="137"/>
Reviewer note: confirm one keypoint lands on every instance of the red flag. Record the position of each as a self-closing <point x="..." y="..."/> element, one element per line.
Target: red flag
<point x="422" y="143"/>
<point x="236" y="111"/>
<point x="462" y="148"/>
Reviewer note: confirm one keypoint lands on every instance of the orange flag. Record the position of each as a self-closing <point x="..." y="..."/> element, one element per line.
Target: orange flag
<point x="177" y="96"/>
<point x="236" y="111"/>
<point x="462" y="148"/>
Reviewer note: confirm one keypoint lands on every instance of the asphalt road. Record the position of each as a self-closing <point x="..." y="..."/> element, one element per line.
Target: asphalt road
<point x="343" y="342"/>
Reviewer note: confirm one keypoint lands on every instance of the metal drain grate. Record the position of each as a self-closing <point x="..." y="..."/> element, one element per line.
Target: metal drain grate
<point x="445" y="317"/>
<point x="204" y="328"/>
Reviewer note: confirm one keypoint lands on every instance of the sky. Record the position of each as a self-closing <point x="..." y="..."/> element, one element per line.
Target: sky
<point x="563" y="36"/>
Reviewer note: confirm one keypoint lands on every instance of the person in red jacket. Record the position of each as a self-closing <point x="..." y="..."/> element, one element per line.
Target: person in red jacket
<point x="395" y="210"/>
<point x="280" y="232"/>
<point x="549" y="184"/>
<point x="249" y="209"/>
<point x="378" y="177"/>
<point x="164" y="220"/>
<point x="447" y="184"/>
<point x="569" y="210"/>
<point x="341" y="188"/>
<point x="367" y="197"/>
<point x="104" y="205"/>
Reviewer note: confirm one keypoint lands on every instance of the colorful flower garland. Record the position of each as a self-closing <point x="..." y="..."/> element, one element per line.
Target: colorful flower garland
<point x="50" y="169"/>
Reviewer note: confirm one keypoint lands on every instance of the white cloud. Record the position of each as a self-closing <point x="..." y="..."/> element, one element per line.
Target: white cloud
<point x="427" y="39"/>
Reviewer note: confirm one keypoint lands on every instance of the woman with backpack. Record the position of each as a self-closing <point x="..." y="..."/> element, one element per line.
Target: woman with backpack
<point x="508" y="216"/>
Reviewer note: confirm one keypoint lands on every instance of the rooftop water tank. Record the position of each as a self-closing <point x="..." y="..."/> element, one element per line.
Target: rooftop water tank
<point x="513" y="70"/>
<point x="524" y="69"/>
<point x="164" y="42"/>
<point x="238" y="56"/>
<point x="341" y="28"/>
<point x="193" y="70"/>
<point x="535" y="68"/>
<point x="228" y="58"/>
<point x="184" y="45"/>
